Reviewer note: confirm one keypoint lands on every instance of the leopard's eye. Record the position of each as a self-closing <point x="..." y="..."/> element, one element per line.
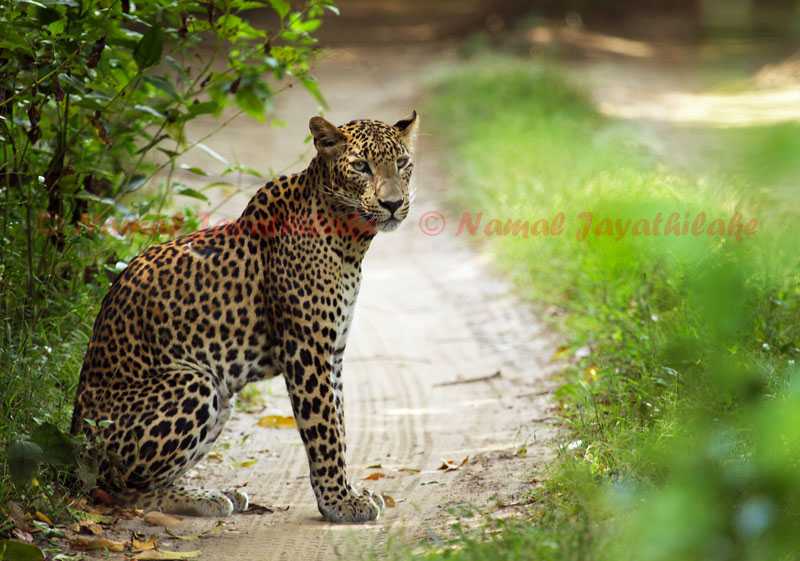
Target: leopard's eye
<point x="402" y="162"/>
<point x="360" y="166"/>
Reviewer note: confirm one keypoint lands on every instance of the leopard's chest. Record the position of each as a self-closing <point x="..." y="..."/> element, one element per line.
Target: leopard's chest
<point x="351" y="283"/>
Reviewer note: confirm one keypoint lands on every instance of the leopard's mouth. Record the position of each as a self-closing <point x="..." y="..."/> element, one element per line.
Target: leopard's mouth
<point x="388" y="224"/>
<point x="381" y="223"/>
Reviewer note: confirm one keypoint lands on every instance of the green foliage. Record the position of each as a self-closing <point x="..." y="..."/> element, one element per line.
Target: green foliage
<point x="679" y="410"/>
<point x="12" y="550"/>
<point x="46" y="444"/>
<point x="95" y="98"/>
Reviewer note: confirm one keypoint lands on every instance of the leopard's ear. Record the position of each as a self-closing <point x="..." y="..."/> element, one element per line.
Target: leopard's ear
<point x="407" y="129"/>
<point x="327" y="138"/>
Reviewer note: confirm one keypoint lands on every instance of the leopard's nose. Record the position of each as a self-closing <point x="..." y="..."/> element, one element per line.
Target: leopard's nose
<point x="391" y="206"/>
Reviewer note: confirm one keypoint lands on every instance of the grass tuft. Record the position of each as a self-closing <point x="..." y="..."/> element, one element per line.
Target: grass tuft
<point x="680" y="418"/>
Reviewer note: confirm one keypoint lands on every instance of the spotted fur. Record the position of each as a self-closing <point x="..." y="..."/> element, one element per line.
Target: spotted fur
<point x="190" y="322"/>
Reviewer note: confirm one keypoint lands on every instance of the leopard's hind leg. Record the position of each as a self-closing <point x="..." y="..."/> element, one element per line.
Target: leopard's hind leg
<point x="155" y="441"/>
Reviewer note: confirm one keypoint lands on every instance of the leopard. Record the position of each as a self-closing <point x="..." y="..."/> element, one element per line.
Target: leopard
<point x="191" y="321"/>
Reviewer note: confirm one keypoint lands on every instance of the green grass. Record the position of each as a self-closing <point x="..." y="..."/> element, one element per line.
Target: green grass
<point x="677" y="413"/>
<point x="43" y="341"/>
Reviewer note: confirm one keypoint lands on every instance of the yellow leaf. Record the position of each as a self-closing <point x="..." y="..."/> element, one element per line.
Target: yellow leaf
<point x="42" y="518"/>
<point x="156" y="518"/>
<point x="411" y="471"/>
<point x="97" y="543"/>
<point x="277" y="422"/>
<point x="214" y="456"/>
<point x="193" y="537"/>
<point x="164" y="554"/>
<point x="374" y="476"/>
<point x="136" y="545"/>
<point x="248" y="463"/>
<point x="559" y="353"/>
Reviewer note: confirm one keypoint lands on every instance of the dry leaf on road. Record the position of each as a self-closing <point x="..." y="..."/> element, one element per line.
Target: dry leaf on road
<point x="92" y="544"/>
<point x="450" y="465"/>
<point x="216" y="456"/>
<point x="156" y="518"/>
<point x="163" y="554"/>
<point x="90" y="526"/>
<point x="375" y="476"/>
<point x="137" y="545"/>
<point x="192" y="537"/>
<point x="97" y="517"/>
<point x="277" y="422"/>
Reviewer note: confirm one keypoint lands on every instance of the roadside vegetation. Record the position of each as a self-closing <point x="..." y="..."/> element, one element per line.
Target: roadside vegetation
<point x="95" y="98"/>
<point x="679" y="400"/>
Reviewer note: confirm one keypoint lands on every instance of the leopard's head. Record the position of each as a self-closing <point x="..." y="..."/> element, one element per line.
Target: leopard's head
<point x="369" y="166"/>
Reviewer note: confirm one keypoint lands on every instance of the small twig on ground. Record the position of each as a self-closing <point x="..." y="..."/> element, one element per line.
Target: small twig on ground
<point x="497" y="374"/>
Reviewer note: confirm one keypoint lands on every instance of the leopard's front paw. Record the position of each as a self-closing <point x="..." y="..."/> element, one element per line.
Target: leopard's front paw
<point x="356" y="507"/>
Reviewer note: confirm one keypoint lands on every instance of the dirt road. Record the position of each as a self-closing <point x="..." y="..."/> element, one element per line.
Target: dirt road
<point x="443" y="363"/>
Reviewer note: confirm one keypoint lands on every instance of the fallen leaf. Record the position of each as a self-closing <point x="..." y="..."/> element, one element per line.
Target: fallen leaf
<point x="100" y="518"/>
<point x="137" y="545"/>
<point x="449" y="465"/>
<point x="15" y="512"/>
<point x="42" y="518"/>
<point x="214" y="456"/>
<point x="375" y="476"/>
<point x="193" y="537"/>
<point x="156" y="518"/>
<point x="128" y="513"/>
<point x="91" y="527"/>
<point x="388" y="501"/>
<point x="164" y="554"/>
<point x="19" y="551"/>
<point x="410" y="471"/>
<point x="262" y="509"/>
<point x="375" y="466"/>
<point x="22" y="535"/>
<point x="248" y="463"/>
<point x="432" y="482"/>
<point x="102" y="497"/>
<point x="561" y="351"/>
<point x="259" y="509"/>
<point x="91" y="544"/>
<point x="277" y="422"/>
